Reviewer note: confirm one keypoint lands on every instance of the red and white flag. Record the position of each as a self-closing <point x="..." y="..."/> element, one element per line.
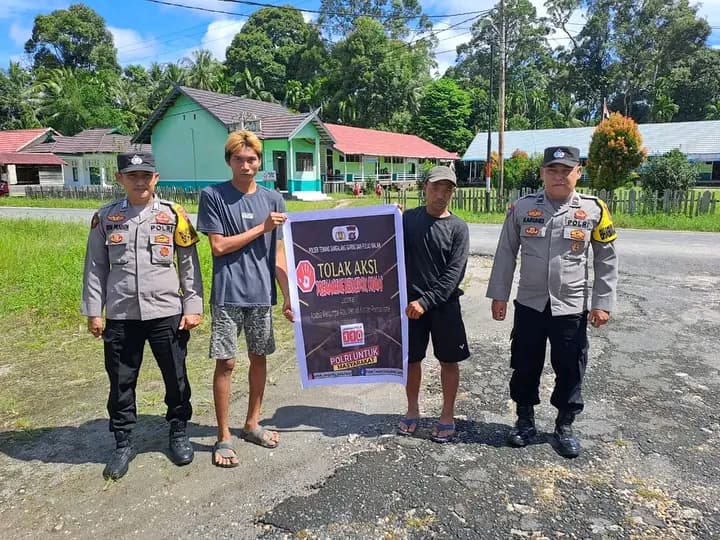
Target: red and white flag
<point x="606" y="111"/>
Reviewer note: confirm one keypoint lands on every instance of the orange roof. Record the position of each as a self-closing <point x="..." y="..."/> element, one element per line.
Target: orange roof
<point x="15" y="140"/>
<point x="372" y="142"/>
<point x="19" y="158"/>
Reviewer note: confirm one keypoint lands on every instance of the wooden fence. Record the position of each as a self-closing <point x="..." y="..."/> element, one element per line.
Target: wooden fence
<point x="178" y="195"/>
<point x="621" y="201"/>
<point x="475" y="200"/>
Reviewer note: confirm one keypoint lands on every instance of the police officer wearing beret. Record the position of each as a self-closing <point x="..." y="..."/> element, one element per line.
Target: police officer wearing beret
<point x="554" y="229"/>
<point x="133" y="247"/>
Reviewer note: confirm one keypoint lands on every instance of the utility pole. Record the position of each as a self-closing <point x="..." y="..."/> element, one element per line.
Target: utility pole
<point x="488" y="160"/>
<point x="501" y="102"/>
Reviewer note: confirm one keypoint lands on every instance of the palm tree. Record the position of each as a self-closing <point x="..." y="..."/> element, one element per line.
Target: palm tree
<point x="15" y="109"/>
<point x="252" y="86"/>
<point x="203" y="71"/>
<point x="664" y="109"/>
<point x="713" y="111"/>
<point x="58" y="98"/>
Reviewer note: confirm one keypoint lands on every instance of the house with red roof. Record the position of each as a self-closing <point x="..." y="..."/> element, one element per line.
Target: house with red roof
<point x="90" y="156"/>
<point x="302" y="156"/>
<point x="360" y="154"/>
<point x="20" y="168"/>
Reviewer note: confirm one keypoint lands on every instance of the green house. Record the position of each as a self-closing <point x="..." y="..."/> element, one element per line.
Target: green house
<point x="189" y="128"/>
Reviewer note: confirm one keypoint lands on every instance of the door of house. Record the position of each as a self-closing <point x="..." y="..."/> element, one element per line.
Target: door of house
<point x="280" y="166"/>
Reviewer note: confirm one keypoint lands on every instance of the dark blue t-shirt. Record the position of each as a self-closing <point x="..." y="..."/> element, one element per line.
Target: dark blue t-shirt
<point x="245" y="277"/>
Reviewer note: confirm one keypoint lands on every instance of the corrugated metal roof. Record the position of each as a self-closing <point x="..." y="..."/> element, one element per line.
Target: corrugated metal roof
<point x="372" y="142"/>
<point x="91" y="141"/>
<point x="14" y="140"/>
<point x="698" y="140"/>
<point x="23" y="158"/>
<point x="276" y="122"/>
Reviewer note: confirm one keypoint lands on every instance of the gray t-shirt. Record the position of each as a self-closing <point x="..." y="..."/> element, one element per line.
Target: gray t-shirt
<point x="245" y="277"/>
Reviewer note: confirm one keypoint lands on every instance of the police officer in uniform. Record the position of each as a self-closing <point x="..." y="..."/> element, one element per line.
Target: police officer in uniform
<point x="133" y="248"/>
<point x="554" y="230"/>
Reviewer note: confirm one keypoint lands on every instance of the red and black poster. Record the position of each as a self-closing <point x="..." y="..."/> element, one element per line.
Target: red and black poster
<point x="347" y="287"/>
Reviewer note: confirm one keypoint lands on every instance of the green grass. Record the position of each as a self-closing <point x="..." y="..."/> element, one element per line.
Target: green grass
<point x="51" y="369"/>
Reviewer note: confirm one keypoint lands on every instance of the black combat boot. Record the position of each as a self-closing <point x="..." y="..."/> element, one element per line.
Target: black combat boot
<point x="121" y="457"/>
<point x="181" y="451"/>
<point x="567" y="442"/>
<point x="524" y="431"/>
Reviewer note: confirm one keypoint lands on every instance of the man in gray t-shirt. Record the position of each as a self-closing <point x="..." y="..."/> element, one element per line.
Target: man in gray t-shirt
<point x="242" y="221"/>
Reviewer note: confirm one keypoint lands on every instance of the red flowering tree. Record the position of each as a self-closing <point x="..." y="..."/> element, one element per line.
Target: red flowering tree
<point x="615" y="151"/>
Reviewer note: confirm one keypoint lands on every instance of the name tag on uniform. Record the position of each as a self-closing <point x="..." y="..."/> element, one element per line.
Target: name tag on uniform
<point x="247" y="215"/>
<point x="570" y="233"/>
<point x="531" y="231"/>
<point x="578" y="223"/>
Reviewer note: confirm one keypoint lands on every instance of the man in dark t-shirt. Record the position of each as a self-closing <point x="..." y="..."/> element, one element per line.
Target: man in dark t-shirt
<point x="243" y="222"/>
<point x="437" y="244"/>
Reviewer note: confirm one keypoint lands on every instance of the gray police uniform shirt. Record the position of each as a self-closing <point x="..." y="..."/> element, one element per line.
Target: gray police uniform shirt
<point x="129" y="263"/>
<point x="246" y="277"/>
<point x="554" y="255"/>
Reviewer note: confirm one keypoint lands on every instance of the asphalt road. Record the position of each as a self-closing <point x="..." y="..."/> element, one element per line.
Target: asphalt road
<point x="650" y="434"/>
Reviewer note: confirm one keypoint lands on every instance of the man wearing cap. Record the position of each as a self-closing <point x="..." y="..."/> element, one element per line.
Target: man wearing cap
<point x="554" y="230"/>
<point x="130" y="273"/>
<point x="437" y="244"/>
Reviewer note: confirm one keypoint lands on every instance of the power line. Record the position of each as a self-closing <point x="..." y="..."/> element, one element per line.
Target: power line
<point x="304" y="10"/>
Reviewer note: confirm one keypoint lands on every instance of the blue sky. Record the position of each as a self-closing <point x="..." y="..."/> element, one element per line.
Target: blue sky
<point x="146" y="32"/>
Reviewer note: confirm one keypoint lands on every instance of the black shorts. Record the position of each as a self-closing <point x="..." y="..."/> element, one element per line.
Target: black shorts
<point x="444" y="323"/>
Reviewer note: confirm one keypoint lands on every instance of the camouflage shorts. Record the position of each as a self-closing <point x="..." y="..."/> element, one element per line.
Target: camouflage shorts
<point x="229" y="321"/>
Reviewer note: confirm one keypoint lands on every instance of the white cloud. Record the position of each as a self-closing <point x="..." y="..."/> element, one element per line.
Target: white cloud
<point x="219" y="35"/>
<point x="448" y="40"/>
<point x="20" y="33"/>
<point x="12" y="9"/>
<point x="132" y="46"/>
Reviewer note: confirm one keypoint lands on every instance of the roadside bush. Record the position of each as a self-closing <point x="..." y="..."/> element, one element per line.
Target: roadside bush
<point x="615" y="151"/>
<point x="522" y="171"/>
<point x="670" y="172"/>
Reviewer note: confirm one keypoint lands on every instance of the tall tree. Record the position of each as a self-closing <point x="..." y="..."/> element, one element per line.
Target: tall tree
<point x="75" y="38"/>
<point x="16" y="112"/>
<point x="528" y="60"/>
<point x="374" y="76"/>
<point x="277" y="45"/>
<point x="72" y="100"/>
<point x="444" y="114"/>
<point x="203" y="71"/>
<point x="399" y="18"/>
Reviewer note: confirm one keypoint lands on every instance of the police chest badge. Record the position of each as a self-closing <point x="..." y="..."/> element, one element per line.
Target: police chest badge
<point x="532" y="231"/>
<point x="162" y="239"/>
<point x="162" y="217"/>
<point x="116" y="238"/>
<point x="535" y="212"/>
<point x="164" y="251"/>
<point x="577" y="247"/>
<point x="580" y="214"/>
<point x="116" y="217"/>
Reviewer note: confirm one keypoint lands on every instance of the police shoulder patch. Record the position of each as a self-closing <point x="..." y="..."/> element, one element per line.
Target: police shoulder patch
<point x="604" y="231"/>
<point x="185" y="234"/>
<point x="95" y="221"/>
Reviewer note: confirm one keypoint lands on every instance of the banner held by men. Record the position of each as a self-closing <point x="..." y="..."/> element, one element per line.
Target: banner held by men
<point x="347" y="288"/>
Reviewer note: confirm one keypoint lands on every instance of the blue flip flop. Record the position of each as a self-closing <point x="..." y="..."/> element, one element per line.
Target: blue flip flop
<point x="410" y="424"/>
<point x="439" y="428"/>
